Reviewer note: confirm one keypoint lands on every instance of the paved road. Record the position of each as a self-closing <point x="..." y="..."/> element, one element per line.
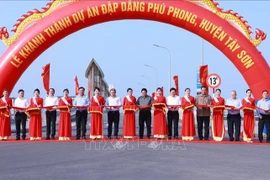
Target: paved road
<point x="84" y="161"/>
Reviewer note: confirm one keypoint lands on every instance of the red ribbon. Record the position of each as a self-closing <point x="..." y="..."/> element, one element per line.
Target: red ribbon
<point x="142" y="107"/>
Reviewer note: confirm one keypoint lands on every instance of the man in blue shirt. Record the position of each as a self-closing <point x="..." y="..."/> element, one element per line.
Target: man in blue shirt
<point x="264" y="116"/>
<point x="82" y="102"/>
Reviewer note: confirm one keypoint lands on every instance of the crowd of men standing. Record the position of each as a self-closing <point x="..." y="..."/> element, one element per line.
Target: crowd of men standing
<point x="165" y="123"/>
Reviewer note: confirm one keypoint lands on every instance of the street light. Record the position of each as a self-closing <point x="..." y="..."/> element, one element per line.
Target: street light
<point x="141" y="84"/>
<point x="202" y="60"/>
<point x="170" y="61"/>
<point x="155" y="72"/>
<point x="149" y="82"/>
<point x="146" y="78"/>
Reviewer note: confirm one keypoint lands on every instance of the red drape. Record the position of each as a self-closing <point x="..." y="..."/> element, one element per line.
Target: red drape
<point x="89" y="92"/>
<point x="46" y="77"/>
<point x="175" y="78"/>
<point x="76" y="85"/>
<point x="203" y="75"/>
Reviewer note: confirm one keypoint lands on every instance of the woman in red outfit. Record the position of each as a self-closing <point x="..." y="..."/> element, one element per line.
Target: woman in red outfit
<point x="248" y="107"/>
<point x="188" y="124"/>
<point x="34" y="111"/>
<point x="160" y="129"/>
<point x="129" y="106"/>
<point x="64" y="105"/>
<point x="218" y="117"/>
<point x="5" y="104"/>
<point x="96" y="108"/>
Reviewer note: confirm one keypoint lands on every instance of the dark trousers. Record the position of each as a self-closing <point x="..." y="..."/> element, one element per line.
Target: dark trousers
<point x="173" y="118"/>
<point x="234" y="124"/>
<point x="203" y="121"/>
<point x="20" y="120"/>
<point x="113" y="118"/>
<point x="145" y="118"/>
<point x="264" y="121"/>
<point x="81" y="120"/>
<point x="50" y="123"/>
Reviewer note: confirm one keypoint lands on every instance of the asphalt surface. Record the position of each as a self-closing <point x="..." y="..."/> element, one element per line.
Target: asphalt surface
<point x="123" y="160"/>
<point x="133" y="160"/>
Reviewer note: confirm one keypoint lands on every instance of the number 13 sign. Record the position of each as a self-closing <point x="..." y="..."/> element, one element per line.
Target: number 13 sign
<point x="213" y="81"/>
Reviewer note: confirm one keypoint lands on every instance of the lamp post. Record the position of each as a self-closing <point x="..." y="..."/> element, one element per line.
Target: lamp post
<point x="141" y="84"/>
<point x="170" y="68"/>
<point x="202" y="58"/>
<point x="146" y="78"/>
<point x="156" y="73"/>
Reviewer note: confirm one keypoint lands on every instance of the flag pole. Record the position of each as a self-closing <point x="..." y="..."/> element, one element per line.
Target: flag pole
<point x="202" y="51"/>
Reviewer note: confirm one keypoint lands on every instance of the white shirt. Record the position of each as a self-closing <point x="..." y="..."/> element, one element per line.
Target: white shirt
<point x="21" y="103"/>
<point x="234" y="102"/>
<point x="51" y="101"/>
<point x="173" y="100"/>
<point x="113" y="101"/>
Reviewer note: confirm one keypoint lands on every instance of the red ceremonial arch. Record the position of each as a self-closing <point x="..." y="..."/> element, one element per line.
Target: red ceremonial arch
<point x="39" y="29"/>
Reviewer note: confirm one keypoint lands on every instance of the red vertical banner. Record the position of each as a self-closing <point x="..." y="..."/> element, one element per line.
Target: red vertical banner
<point x="89" y="91"/>
<point x="175" y="78"/>
<point x="162" y="89"/>
<point x="203" y="75"/>
<point x="76" y="86"/>
<point x="153" y="95"/>
<point x="46" y="77"/>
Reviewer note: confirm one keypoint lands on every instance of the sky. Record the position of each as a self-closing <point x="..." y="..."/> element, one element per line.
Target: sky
<point x="121" y="48"/>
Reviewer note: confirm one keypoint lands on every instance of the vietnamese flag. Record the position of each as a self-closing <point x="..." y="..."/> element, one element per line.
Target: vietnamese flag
<point x="203" y="75"/>
<point x="76" y="85"/>
<point x="89" y="92"/>
<point x="46" y="77"/>
<point x="162" y="89"/>
<point x="175" y="78"/>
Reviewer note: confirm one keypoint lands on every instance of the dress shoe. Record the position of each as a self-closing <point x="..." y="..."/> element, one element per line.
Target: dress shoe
<point x="169" y="138"/>
<point x="141" y="137"/>
<point x="47" y="138"/>
<point x="23" y="138"/>
<point x="109" y="137"/>
<point x="77" y="138"/>
<point x="201" y="138"/>
<point x="176" y="137"/>
<point x="53" y="137"/>
<point x="206" y="139"/>
<point x="237" y="140"/>
<point x="231" y="139"/>
<point x="116" y="137"/>
<point x="17" y="139"/>
<point x="84" y="137"/>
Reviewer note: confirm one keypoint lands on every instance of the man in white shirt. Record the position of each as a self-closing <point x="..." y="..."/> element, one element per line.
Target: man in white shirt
<point x="51" y="100"/>
<point x="113" y="113"/>
<point x="234" y="117"/>
<point x="173" y="104"/>
<point x="20" y="116"/>
<point x="81" y="113"/>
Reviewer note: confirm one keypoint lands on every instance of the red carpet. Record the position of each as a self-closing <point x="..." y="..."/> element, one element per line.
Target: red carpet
<point x="225" y="141"/>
